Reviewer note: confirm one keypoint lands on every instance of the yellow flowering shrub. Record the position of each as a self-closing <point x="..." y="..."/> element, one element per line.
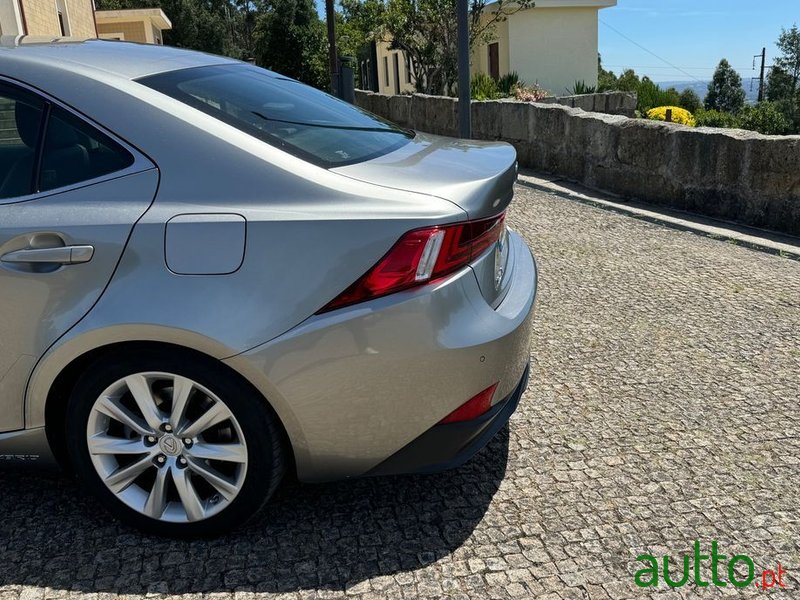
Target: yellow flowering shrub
<point x="679" y="115"/>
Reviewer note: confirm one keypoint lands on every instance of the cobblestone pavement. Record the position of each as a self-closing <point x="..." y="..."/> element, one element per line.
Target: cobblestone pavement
<point x="662" y="409"/>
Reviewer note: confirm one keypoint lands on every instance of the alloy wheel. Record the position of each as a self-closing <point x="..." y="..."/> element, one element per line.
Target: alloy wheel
<point x="167" y="447"/>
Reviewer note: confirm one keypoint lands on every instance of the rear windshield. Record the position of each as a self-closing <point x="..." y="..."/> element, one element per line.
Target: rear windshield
<point x="285" y="113"/>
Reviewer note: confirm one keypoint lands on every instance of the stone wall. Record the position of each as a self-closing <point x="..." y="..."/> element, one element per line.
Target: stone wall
<point x="610" y="103"/>
<point x="728" y="174"/>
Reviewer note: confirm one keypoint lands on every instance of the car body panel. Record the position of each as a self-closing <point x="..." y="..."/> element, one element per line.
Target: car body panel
<point x="495" y="271"/>
<point x="436" y="165"/>
<point x="125" y="60"/>
<point x="205" y="244"/>
<point x="285" y="283"/>
<point x="39" y="307"/>
<point x="87" y="336"/>
<point x="26" y="448"/>
<point x="449" y="445"/>
<point x="13" y="379"/>
<point x="364" y="381"/>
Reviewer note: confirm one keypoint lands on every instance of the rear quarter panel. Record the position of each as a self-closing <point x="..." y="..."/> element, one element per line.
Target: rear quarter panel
<point x="309" y="233"/>
<point x="364" y="381"/>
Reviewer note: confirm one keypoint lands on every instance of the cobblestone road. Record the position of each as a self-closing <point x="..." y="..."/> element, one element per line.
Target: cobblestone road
<point x="662" y="409"/>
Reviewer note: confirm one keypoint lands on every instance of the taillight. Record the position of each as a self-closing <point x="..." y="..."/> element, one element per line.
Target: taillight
<point x="422" y="256"/>
<point x="473" y="408"/>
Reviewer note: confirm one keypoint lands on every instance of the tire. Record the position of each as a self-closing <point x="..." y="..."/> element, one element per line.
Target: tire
<point x="183" y="479"/>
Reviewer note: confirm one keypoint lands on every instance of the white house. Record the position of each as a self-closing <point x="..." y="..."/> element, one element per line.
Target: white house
<point x="553" y="44"/>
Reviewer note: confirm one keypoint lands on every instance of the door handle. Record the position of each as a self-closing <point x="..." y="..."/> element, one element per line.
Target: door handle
<point x="64" y="255"/>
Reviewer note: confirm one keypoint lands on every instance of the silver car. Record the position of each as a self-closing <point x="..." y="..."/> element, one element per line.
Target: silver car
<point x="212" y="275"/>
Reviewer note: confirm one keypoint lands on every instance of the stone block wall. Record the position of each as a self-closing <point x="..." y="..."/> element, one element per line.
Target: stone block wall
<point x="728" y="174"/>
<point x="611" y="103"/>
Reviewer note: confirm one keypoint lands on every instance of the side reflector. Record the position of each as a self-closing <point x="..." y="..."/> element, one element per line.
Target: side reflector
<point x="472" y="408"/>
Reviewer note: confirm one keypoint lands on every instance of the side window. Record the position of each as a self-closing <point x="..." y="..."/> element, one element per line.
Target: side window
<point x="75" y="151"/>
<point x="20" y="124"/>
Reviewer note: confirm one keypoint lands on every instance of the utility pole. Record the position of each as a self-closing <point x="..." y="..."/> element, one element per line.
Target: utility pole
<point x="464" y="110"/>
<point x="330" y="17"/>
<point x="761" y="79"/>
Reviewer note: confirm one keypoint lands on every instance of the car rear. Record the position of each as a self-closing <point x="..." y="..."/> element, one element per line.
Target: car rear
<point x="415" y="364"/>
<point x="395" y="326"/>
<point x="358" y="279"/>
<point x="410" y="381"/>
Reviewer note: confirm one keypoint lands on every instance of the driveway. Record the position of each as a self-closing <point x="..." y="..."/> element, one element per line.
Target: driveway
<point x="663" y="408"/>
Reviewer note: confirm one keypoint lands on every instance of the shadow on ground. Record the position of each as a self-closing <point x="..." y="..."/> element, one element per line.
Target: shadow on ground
<point x="52" y="535"/>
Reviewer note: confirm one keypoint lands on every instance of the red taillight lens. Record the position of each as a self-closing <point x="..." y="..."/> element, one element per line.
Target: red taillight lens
<point x="472" y="408"/>
<point x="422" y="256"/>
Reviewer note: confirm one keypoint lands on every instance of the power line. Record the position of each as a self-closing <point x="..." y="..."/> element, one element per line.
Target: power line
<point x="635" y="43"/>
<point x="670" y="68"/>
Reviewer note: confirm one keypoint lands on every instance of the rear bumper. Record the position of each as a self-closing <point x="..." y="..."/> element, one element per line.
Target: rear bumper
<point x="449" y="446"/>
<point x="356" y="385"/>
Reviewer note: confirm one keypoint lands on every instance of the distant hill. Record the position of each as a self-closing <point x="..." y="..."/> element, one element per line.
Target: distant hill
<point x="701" y="87"/>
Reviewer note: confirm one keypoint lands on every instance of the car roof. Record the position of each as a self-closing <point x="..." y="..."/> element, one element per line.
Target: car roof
<point x="128" y="60"/>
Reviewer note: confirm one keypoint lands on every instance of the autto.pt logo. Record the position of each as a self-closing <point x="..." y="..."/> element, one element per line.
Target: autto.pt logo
<point x="739" y="571"/>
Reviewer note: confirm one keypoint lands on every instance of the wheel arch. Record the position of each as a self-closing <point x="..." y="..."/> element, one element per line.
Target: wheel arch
<point x="49" y="408"/>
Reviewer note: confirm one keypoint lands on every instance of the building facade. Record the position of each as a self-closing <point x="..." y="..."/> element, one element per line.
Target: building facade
<point x="553" y="45"/>
<point x="79" y="19"/>
<point x="56" y="18"/>
<point x="145" y="25"/>
<point x="394" y="72"/>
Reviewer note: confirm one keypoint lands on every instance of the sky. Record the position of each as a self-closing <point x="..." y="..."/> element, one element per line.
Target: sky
<point x="692" y="35"/>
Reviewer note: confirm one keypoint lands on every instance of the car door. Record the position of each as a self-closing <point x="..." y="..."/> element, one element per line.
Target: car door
<point x="70" y="195"/>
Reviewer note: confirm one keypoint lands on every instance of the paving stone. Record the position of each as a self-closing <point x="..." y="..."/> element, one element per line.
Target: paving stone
<point x="662" y="409"/>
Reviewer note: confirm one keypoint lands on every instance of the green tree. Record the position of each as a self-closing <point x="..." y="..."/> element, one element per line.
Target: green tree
<point x="779" y="85"/>
<point x="783" y="86"/>
<point x="241" y="17"/>
<point x="358" y="24"/>
<point x="671" y="97"/>
<point x="196" y="25"/>
<point x="628" y="81"/>
<point x="290" y="38"/>
<point x="789" y="61"/>
<point x="765" y="117"/>
<point x="606" y="80"/>
<point x="714" y="118"/>
<point x="725" y="92"/>
<point x="651" y="95"/>
<point x="690" y="100"/>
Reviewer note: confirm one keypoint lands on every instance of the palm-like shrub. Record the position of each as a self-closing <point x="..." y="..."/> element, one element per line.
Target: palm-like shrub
<point x="581" y="88"/>
<point x="483" y="87"/>
<point x="508" y="82"/>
